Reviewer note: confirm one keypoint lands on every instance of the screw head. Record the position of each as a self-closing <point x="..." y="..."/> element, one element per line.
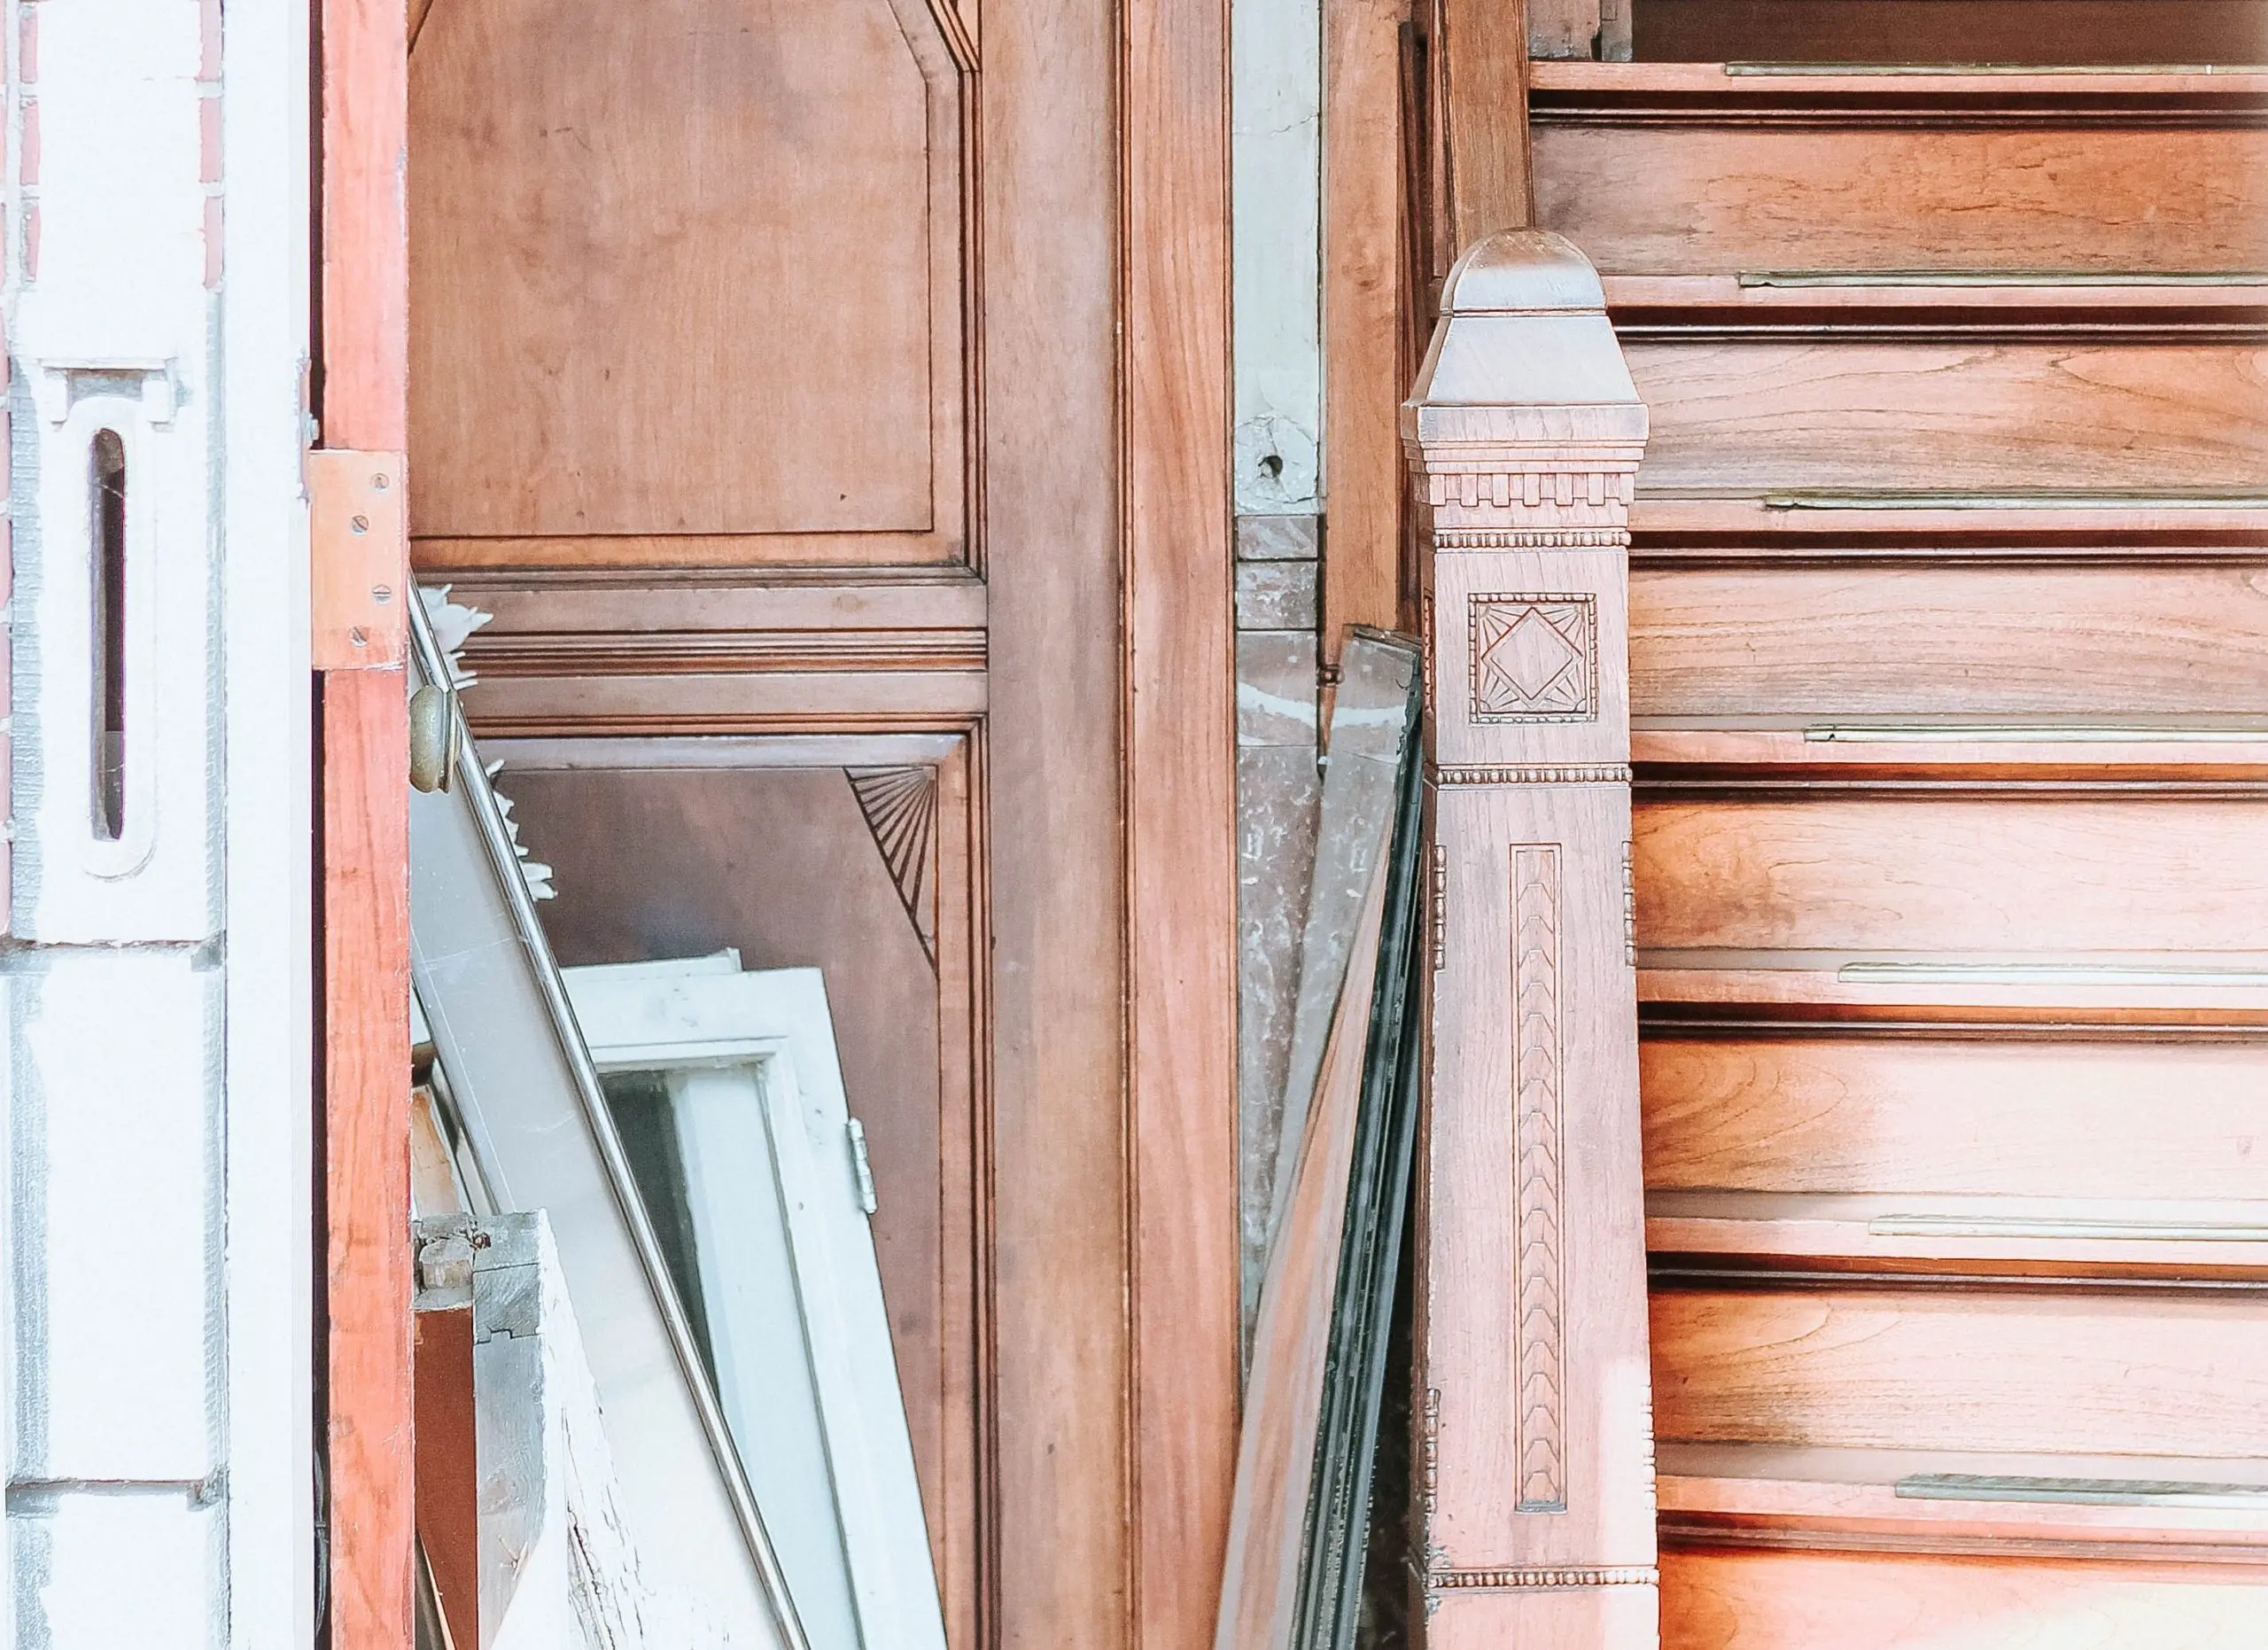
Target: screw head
<point x="359" y="636"/>
<point x="381" y="593"/>
<point x="361" y="523"/>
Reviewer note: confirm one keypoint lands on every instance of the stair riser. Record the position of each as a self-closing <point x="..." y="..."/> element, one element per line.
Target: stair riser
<point x="1903" y="640"/>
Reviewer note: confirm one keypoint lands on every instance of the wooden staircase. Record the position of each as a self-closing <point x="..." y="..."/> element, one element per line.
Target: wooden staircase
<point x="1949" y="689"/>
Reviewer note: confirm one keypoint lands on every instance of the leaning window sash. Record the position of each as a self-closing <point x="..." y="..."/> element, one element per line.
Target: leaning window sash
<point x="515" y="1068"/>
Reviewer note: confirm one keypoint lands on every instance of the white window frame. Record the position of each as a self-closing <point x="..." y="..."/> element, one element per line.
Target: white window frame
<point x="775" y="1167"/>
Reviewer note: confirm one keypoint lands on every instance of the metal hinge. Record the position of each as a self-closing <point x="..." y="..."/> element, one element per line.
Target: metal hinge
<point x="359" y="542"/>
<point x="859" y="1165"/>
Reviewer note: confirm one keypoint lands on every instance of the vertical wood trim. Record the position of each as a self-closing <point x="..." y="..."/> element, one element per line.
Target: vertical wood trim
<point x="1362" y="382"/>
<point x="365" y="892"/>
<point x="366" y="1091"/>
<point x="1485" y="77"/>
<point x="1180" y="828"/>
<point x="365" y="237"/>
<point x="1058" y="1541"/>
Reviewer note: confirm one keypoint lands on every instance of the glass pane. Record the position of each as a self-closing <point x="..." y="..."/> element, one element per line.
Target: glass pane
<point x="700" y="1147"/>
<point x="640" y="1101"/>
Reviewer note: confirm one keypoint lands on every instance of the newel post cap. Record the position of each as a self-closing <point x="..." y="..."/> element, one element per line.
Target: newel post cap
<point x="1523" y="357"/>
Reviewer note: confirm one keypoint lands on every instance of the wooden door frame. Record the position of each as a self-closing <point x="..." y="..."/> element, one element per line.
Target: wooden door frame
<point x="361" y="388"/>
<point x="1177" y="1380"/>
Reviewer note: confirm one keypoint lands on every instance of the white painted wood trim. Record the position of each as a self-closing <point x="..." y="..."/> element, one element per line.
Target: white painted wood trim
<point x="267" y="1011"/>
<point x="1276" y="71"/>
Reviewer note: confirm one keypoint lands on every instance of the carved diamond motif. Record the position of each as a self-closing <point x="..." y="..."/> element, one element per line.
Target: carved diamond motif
<point x="1534" y="659"/>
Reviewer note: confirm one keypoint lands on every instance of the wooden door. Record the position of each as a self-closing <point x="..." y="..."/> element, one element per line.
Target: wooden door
<point x="829" y="402"/>
<point x="1950" y="732"/>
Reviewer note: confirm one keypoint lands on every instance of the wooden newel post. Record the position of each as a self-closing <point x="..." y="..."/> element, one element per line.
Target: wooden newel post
<point x="1535" y="1450"/>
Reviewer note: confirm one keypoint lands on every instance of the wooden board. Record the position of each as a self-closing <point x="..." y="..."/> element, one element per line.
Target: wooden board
<point x="363" y="909"/>
<point x="1365" y="376"/>
<point x="1177" y="661"/>
<point x="1979" y="416"/>
<point x="1482" y="62"/>
<point x="1804" y="1600"/>
<point x="1935" y="1367"/>
<point x="365" y="1041"/>
<point x="1983" y="874"/>
<point x="1901" y="640"/>
<point x="2133" y="1119"/>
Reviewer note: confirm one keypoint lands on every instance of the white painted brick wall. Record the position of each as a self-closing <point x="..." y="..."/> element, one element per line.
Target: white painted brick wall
<point x="116" y="1062"/>
<point x="113" y="1570"/>
<point x="155" y="990"/>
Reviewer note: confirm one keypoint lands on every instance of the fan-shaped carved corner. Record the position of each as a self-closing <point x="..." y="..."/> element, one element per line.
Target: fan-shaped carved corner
<point x="900" y="806"/>
<point x="690" y="283"/>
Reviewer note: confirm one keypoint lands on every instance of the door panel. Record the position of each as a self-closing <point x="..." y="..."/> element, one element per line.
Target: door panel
<point x="690" y="284"/>
<point x="653" y="862"/>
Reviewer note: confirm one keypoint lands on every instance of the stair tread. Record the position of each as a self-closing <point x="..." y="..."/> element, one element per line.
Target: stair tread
<point x="1832" y="307"/>
<point x="2177" y="1507"/>
<point x="2022" y="1236"/>
<point x="1990" y="81"/>
<point x="1756" y="518"/>
<point x="2036" y="750"/>
<point x="2227" y="988"/>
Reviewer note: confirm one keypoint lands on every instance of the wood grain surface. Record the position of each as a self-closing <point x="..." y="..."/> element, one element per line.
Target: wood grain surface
<point x="1939" y="1367"/>
<point x="1364" y="316"/>
<point x="1904" y="640"/>
<point x="2133" y="1120"/>
<point x="1736" y="196"/>
<point x="365" y="926"/>
<point x="1925" y="31"/>
<point x="1483" y="62"/>
<point x="1180" y="838"/>
<point x="1990" y="874"/>
<point x="1967" y="416"/>
<point x="363" y="910"/>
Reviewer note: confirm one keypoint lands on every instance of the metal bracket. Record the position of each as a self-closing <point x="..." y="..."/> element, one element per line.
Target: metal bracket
<point x="358" y="536"/>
